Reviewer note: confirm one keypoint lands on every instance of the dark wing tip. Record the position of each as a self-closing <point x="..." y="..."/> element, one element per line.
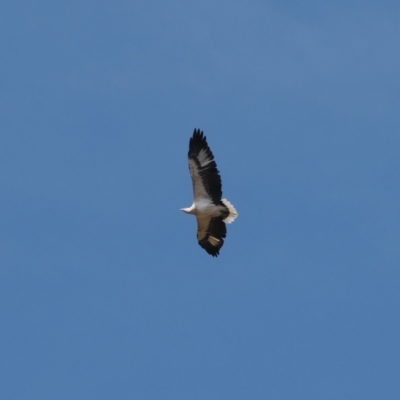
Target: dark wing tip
<point x="217" y="229"/>
<point x="197" y="142"/>
<point x="198" y="132"/>
<point x="209" y="248"/>
<point x="198" y="136"/>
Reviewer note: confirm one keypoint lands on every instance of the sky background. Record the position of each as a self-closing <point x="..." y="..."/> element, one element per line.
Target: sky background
<point x="104" y="290"/>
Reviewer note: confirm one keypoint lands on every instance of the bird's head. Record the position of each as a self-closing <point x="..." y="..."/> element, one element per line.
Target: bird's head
<point x="189" y="210"/>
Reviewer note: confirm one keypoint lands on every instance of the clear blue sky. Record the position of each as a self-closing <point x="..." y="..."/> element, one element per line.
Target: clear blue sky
<point x="104" y="291"/>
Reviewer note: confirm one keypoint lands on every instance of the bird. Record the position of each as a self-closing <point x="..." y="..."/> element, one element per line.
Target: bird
<point x="210" y="209"/>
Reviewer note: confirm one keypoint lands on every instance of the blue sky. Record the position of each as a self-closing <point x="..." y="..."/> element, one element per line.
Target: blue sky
<point x="104" y="291"/>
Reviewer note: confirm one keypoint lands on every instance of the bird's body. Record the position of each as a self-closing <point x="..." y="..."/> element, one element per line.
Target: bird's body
<point x="211" y="211"/>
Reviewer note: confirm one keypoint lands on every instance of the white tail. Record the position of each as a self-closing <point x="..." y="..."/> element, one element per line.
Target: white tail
<point x="232" y="212"/>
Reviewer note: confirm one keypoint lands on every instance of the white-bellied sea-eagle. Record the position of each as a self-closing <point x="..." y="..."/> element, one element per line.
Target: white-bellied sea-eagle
<point x="211" y="211"/>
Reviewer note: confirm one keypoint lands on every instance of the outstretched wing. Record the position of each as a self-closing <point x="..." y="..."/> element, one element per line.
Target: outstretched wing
<point x="203" y="169"/>
<point x="210" y="234"/>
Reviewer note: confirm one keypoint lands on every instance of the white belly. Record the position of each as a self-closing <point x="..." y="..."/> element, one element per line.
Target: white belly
<point x="205" y="206"/>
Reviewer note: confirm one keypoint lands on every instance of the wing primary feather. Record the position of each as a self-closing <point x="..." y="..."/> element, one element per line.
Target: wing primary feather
<point x="202" y="156"/>
<point x="211" y="239"/>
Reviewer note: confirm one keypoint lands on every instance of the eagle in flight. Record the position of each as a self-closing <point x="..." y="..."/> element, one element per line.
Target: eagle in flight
<point x="211" y="211"/>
